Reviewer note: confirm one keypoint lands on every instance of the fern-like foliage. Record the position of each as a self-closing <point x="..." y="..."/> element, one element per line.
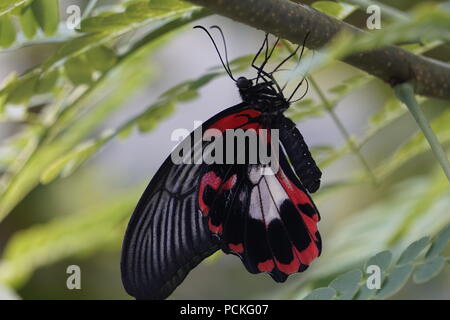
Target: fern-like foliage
<point x="416" y="262"/>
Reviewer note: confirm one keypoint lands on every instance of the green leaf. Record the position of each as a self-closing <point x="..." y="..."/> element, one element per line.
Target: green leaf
<point x="347" y="284"/>
<point x="47" y="82"/>
<point x="439" y="244"/>
<point x="78" y="71"/>
<point x="321" y="294"/>
<point x="84" y="232"/>
<point x="7" y="31"/>
<point x="413" y="250"/>
<point x="365" y="293"/>
<point x="135" y="13"/>
<point x="381" y="259"/>
<point x="151" y="118"/>
<point x="328" y="7"/>
<point x="7" y="6"/>
<point x="47" y="15"/>
<point x="395" y="281"/>
<point x="431" y="268"/>
<point x="71" y="161"/>
<point x="101" y="58"/>
<point x="21" y="91"/>
<point x="28" y="23"/>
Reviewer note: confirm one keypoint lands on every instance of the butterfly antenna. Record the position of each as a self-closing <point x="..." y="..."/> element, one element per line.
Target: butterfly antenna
<point x="266" y="39"/>
<point x="225" y="47"/>
<point x="217" y="50"/>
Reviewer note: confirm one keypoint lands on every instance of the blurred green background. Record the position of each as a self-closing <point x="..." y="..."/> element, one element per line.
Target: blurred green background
<point x="70" y="179"/>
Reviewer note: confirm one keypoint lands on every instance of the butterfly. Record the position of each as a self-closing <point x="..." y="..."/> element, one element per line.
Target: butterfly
<point x="192" y="209"/>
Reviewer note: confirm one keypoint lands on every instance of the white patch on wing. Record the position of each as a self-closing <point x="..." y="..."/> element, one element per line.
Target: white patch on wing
<point x="278" y="193"/>
<point x="255" y="205"/>
<point x="270" y="206"/>
<point x="254" y="174"/>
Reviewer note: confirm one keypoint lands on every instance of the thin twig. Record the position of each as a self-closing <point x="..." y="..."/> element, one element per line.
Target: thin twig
<point x="353" y="147"/>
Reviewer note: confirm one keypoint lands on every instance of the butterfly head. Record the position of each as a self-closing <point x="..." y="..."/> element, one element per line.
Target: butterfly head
<point x="243" y="83"/>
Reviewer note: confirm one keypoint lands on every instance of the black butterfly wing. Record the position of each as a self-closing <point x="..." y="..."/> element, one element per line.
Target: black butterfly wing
<point x="166" y="237"/>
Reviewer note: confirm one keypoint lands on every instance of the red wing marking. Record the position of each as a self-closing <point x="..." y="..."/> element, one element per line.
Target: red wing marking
<point x="296" y="195"/>
<point x="237" y="120"/>
<point x="208" y="179"/>
<point x="238" y="248"/>
<point x="214" y="228"/>
<point x="309" y="254"/>
<point x="266" y="266"/>
<point x="291" y="267"/>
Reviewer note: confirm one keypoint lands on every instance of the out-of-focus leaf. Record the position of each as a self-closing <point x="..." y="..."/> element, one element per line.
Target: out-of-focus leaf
<point x="7" y="6"/>
<point x="395" y="281"/>
<point x="78" y="71"/>
<point x="71" y="161"/>
<point x="338" y="10"/>
<point x="75" y="129"/>
<point x="47" y="82"/>
<point x="346" y="285"/>
<point x="28" y="23"/>
<point x="431" y="268"/>
<point x="413" y="250"/>
<point x="21" y="91"/>
<point x="321" y="294"/>
<point x="60" y="238"/>
<point x="101" y="58"/>
<point x="151" y="118"/>
<point x="135" y="13"/>
<point x="146" y="121"/>
<point x="7" y="31"/>
<point x="47" y="15"/>
<point x="439" y="244"/>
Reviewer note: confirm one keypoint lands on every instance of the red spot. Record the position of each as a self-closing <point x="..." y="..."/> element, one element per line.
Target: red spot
<point x="266" y="266"/>
<point x="294" y="193"/>
<point x="209" y="179"/>
<point x="229" y="183"/>
<point x="311" y="224"/>
<point x="213" y="228"/>
<point x="292" y="267"/>
<point x="309" y="254"/>
<point x="238" y="248"/>
<point x="237" y="120"/>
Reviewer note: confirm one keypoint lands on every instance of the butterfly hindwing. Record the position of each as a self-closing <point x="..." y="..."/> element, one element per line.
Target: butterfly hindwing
<point x="269" y="221"/>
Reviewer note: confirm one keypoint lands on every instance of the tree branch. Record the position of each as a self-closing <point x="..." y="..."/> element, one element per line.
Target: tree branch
<point x="292" y="21"/>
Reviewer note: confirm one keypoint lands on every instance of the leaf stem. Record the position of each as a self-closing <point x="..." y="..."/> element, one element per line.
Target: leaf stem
<point x="405" y="93"/>
<point x="330" y="109"/>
